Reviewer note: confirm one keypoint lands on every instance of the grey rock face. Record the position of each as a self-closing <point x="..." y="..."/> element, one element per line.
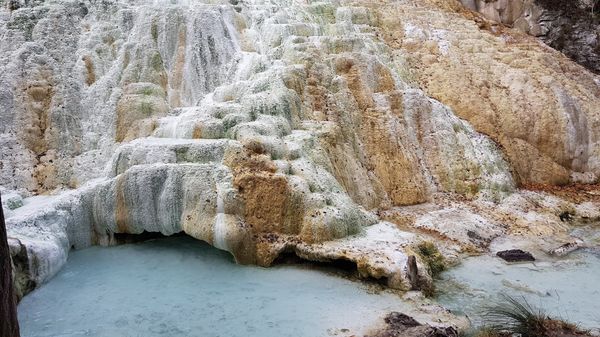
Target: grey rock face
<point x="572" y="27"/>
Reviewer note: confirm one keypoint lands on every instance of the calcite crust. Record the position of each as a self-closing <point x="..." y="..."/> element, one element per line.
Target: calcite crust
<point x="333" y="130"/>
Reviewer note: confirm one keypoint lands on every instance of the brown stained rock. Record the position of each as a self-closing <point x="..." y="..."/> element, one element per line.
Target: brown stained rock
<point x="90" y="76"/>
<point x="400" y="320"/>
<point x="244" y="245"/>
<point x="265" y="197"/>
<point x="576" y="193"/>
<point x="37" y="103"/>
<point x="269" y="205"/>
<point x="37" y="129"/>
<point x="45" y="174"/>
<point x="531" y="100"/>
<point x="197" y="134"/>
<point x="360" y="184"/>
<point x="558" y="328"/>
<point x="370" y="135"/>
<point x="392" y="163"/>
<point x="269" y="246"/>
<point x="401" y="325"/>
<point x="348" y="68"/>
<point x="340" y="142"/>
<point x="386" y="84"/>
<point x="121" y="210"/>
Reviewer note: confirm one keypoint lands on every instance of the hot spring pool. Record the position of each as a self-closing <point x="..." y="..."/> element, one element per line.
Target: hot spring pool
<point x="567" y="288"/>
<point x="182" y="287"/>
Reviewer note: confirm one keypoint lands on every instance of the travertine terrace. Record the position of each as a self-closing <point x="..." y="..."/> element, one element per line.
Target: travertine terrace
<point x="334" y="130"/>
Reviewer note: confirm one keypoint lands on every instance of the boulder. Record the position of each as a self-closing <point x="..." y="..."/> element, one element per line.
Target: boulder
<point x="401" y="325"/>
<point x="515" y="255"/>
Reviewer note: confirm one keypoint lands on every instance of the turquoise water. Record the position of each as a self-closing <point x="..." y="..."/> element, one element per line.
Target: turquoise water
<point x="183" y="287"/>
<point x="567" y="288"/>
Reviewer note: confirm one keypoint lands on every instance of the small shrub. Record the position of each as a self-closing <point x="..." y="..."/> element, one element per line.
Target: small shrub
<point x="147" y="108"/>
<point x="428" y="289"/>
<point x="156" y="62"/>
<point x="147" y="91"/>
<point x="432" y="258"/>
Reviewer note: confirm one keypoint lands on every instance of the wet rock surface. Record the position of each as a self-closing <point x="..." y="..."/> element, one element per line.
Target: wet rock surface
<point x="515" y="255"/>
<point x="401" y="325"/>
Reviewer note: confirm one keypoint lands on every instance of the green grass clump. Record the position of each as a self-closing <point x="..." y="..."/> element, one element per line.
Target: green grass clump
<point x="432" y="258"/>
<point x="516" y="317"/>
<point x="513" y="315"/>
<point x="147" y="91"/>
<point x="156" y="62"/>
<point x="147" y="108"/>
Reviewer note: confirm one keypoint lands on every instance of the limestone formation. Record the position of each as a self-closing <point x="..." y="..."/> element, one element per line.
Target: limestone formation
<point x="534" y="102"/>
<point x="572" y="27"/>
<point x="334" y="130"/>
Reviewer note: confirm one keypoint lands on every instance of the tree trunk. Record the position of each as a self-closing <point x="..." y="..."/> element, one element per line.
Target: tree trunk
<point x="9" y="326"/>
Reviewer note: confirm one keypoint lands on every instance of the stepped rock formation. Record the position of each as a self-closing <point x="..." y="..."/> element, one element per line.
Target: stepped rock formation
<point x="336" y="130"/>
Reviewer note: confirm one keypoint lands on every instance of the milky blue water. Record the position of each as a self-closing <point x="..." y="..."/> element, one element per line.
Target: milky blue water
<point x="183" y="287"/>
<point x="567" y="288"/>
